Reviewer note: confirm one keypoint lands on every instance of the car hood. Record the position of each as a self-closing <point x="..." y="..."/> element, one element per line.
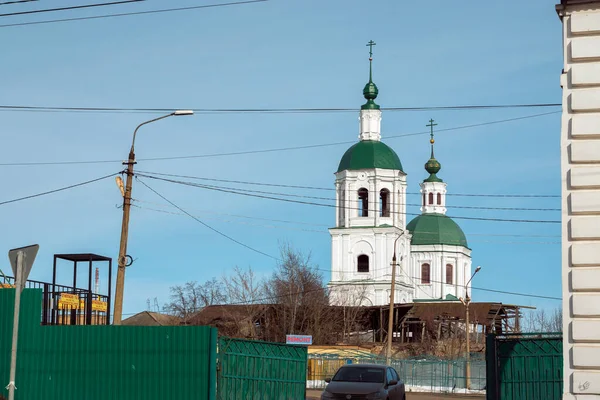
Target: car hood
<point x="353" y="387"/>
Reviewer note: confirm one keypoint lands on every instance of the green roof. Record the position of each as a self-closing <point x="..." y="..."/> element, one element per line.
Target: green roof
<point x="427" y="229"/>
<point x="368" y="154"/>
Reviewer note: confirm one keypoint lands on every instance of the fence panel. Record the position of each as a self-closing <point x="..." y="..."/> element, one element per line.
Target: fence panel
<point x="431" y="375"/>
<point x="525" y="367"/>
<point x="104" y="362"/>
<point x="253" y="370"/>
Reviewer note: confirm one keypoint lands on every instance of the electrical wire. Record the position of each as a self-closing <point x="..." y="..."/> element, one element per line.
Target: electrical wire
<point x="70" y="8"/>
<point x="133" y="13"/>
<point x="277" y="259"/>
<point x="272" y="149"/>
<point x="330" y="189"/>
<point x="205" y="224"/>
<point x="56" y="190"/>
<point x="16" y="2"/>
<point x="239" y="192"/>
<point x="322" y="232"/>
<point x="326" y="225"/>
<point x="265" y="110"/>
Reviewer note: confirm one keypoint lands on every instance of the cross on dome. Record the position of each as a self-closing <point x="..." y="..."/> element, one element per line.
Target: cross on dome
<point x="370" y="91"/>
<point x="432" y="166"/>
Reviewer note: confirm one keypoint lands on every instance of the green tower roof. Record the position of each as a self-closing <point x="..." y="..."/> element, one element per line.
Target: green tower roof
<point x="428" y="229"/>
<point x="369" y="154"/>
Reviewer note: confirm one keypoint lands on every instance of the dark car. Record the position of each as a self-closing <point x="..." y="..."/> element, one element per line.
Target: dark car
<point x="364" y="382"/>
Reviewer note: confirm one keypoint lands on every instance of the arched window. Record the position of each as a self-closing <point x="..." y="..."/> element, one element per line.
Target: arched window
<point x="363" y="200"/>
<point x="431" y="198"/>
<point x="363" y="263"/>
<point x="384" y="196"/>
<point x="449" y="273"/>
<point x="439" y="199"/>
<point x="425" y="274"/>
<point x="424" y="198"/>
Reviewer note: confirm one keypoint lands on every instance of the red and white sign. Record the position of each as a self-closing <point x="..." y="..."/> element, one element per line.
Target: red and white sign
<point x="298" y="339"/>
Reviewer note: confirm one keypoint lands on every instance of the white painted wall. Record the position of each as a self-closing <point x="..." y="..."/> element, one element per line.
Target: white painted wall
<point x="580" y="170"/>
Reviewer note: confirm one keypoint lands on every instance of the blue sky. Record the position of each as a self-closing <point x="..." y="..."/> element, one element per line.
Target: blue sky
<point x="278" y="54"/>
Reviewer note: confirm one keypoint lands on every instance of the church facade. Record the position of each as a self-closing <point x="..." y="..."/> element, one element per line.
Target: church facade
<point x="433" y="257"/>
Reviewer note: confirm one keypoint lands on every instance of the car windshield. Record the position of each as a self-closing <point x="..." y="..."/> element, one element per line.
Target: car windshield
<point x="359" y="374"/>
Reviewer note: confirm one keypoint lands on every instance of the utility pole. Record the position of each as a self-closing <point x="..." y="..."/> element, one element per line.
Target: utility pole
<point x="391" y="316"/>
<point x="468" y="328"/>
<point x="390" y="334"/>
<point x="124" y="237"/>
<point x="466" y="302"/>
<point x="120" y="284"/>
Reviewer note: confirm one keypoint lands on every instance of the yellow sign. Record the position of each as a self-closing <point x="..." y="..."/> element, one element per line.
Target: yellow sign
<point x="68" y="301"/>
<point x="98" y="305"/>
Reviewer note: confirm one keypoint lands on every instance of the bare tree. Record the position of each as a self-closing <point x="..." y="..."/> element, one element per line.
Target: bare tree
<point x="351" y="299"/>
<point x="245" y="291"/>
<point x="302" y="301"/>
<point x="192" y="297"/>
<point x="543" y="321"/>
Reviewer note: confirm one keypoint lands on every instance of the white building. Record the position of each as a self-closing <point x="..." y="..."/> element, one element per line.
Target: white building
<point x="434" y="260"/>
<point x="580" y="171"/>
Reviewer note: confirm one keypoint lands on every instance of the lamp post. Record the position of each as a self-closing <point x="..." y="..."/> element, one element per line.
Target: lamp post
<point x="125" y="224"/>
<point x="391" y="316"/>
<point x="466" y="302"/>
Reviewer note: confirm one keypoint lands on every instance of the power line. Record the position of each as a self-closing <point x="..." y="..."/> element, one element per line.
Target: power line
<point x="331" y="189"/>
<point x="331" y="205"/>
<point x="272" y="150"/>
<point x="323" y="225"/>
<point x="70" y="8"/>
<point x="133" y="13"/>
<point x="56" y="190"/>
<point x="205" y="224"/>
<point x="323" y="231"/>
<point x="16" y="2"/>
<point x="264" y="110"/>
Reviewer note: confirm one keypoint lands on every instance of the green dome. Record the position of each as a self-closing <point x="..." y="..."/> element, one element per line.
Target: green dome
<point x="368" y="154"/>
<point x="436" y="229"/>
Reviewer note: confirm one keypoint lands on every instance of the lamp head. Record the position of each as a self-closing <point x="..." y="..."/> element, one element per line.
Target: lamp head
<point x="477" y="269"/>
<point x="183" y="112"/>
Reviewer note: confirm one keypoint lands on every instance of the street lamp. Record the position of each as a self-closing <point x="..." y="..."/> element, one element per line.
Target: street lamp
<point x="391" y="316"/>
<point x="125" y="224"/>
<point x="466" y="302"/>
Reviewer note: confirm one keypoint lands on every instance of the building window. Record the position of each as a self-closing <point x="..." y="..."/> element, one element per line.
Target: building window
<point x="424" y="198"/>
<point x="431" y="198"/>
<point x="425" y="274"/>
<point x="363" y="202"/>
<point x="384" y="196"/>
<point x="363" y="263"/>
<point x="449" y="273"/>
<point x="439" y="199"/>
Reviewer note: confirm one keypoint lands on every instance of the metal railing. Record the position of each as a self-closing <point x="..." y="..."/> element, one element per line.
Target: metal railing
<point x="426" y="374"/>
<point x="52" y="314"/>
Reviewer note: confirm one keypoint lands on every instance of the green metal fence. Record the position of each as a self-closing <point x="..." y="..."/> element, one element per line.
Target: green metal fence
<point x="260" y="370"/>
<point x="104" y="362"/>
<point x="525" y="366"/>
<point x="425" y="374"/>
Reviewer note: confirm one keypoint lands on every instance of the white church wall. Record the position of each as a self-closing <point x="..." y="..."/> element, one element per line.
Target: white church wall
<point x="580" y="170"/>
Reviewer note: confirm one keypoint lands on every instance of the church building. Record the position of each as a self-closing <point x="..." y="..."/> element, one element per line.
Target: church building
<point x="433" y="257"/>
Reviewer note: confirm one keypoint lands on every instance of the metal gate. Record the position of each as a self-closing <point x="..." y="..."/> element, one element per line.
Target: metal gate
<point x="253" y="370"/>
<point x="524" y="366"/>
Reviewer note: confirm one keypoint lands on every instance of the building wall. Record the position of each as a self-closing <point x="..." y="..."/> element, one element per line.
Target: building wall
<point x="580" y="175"/>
